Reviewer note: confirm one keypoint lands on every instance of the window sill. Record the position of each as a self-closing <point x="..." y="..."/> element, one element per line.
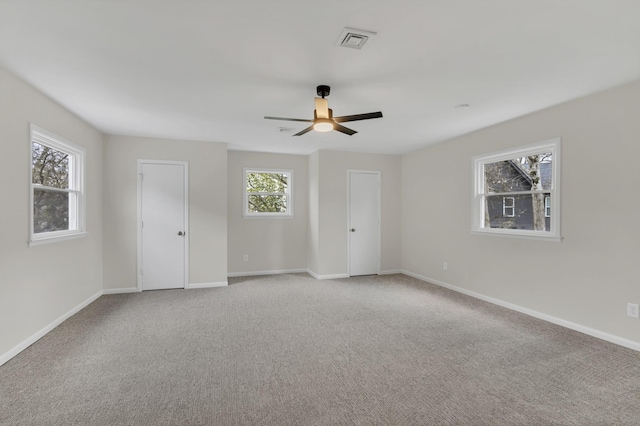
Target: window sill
<point x="510" y="234"/>
<point x="56" y="238"/>
<point x="267" y="216"/>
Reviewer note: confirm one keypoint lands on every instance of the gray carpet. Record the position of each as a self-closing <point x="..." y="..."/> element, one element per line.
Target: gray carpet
<point x="290" y="350"/>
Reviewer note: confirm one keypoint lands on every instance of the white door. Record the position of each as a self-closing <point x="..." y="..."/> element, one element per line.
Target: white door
<point x="364" y="223"/>
<point x="163" y="226"/>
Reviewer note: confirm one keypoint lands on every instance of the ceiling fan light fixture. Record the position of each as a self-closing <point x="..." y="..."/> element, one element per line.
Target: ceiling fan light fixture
<point x="323" y="125"/>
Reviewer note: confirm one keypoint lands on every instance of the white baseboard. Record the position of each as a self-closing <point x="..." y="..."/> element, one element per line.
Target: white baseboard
<point x="271" y="272"/>
<point x="38" y="335"/>
<point x="290" y="271"/>
<point x="326" y="277"/>
<point x="558" y="321"/>
<point x="120" y="290"/>
<point x="391" y="272"/>
<point x="207" y="285"/>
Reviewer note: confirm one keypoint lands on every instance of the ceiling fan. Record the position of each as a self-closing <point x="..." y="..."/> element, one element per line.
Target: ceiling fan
<point x="323" y="119"/>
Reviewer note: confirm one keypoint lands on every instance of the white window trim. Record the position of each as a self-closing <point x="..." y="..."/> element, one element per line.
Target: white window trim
<point x="44" y="137"/>
<point x="266" y="215"/>
<point x="477" y="204"/>
<point x="512" y="207"/>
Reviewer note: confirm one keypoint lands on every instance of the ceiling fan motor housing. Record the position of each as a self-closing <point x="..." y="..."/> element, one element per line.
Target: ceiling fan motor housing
<point x="323" y="90"/>
<point x="315" y="114"/>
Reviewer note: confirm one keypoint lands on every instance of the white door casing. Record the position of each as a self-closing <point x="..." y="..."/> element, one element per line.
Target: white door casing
<point x="364" y="222"/>
<point x="162" y="225"/>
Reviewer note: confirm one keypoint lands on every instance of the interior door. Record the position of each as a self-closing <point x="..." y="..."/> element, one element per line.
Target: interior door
<point x="163" y="226"/>
<point x="364" y="223"/>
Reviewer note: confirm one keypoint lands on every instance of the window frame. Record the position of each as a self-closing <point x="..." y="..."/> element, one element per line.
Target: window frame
<point x="478" y="194"/>
<point x="288" y="194"/>
<point x="77" y="166"/>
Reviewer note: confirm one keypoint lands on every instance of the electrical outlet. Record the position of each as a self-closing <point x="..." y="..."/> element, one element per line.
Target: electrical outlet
<point x="246" y="257"/>
<point x="445" y="266"/>
<point x="633" y="310"/>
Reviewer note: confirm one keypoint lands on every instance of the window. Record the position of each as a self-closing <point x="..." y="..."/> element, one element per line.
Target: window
<point x="508" y="206"/>
<point x="516" y="192"/>
<point x="57" y="179"/>
<point x="268" y="193"/>
<point x="547" y="207"/>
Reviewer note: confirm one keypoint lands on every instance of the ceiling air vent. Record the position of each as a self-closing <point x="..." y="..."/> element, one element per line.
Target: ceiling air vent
<point x="353" y="38"/>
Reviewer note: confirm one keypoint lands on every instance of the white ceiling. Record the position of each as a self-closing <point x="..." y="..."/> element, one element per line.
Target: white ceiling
<point x="212" y="69"/>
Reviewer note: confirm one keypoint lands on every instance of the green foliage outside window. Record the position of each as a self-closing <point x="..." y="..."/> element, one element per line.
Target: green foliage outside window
<point x="267" y="192"/>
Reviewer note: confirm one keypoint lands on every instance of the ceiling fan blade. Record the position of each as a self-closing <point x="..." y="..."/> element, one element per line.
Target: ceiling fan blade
<point x="322" y="108"/>
<point x="357" y="117"/>
<point x="289" y="119"/>
<point x="302" y="132"/>
<point x="345" y="130"/>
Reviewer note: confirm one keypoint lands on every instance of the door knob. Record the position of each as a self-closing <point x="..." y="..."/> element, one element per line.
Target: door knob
<point x="353" y="229"/>
<point x="181" y="233"/>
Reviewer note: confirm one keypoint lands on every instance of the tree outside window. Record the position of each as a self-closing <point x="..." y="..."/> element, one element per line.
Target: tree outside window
<point x="50" y="175"/>
<point x="268" y="192"/>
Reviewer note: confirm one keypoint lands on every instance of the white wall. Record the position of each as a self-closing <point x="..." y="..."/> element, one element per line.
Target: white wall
<point x="330" y="232"/>
<point x="313" y="234"/>
<point x="272" y="244"/>
<point x="586" y="279"/>
<point x="42" y="283"/>
<point x="207" y="206"/>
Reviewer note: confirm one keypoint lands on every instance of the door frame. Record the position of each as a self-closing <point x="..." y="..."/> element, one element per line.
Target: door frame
<point x="379" y="213"/>
<point x="186" y="218"/>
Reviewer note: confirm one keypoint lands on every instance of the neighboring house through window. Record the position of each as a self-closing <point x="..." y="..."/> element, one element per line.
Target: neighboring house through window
<point x="268" y="193"/>
<point x="516" y="192"/>
<point x="57" y="188"/>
